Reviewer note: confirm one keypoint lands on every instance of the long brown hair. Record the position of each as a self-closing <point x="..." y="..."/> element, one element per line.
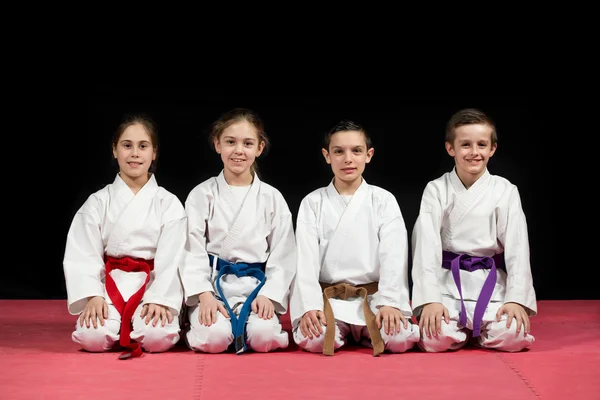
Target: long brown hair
<point x="236" y="115"/>
<point x="148" y="124"/>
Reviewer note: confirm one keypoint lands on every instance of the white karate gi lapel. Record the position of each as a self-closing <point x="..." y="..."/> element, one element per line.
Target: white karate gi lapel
<point x="347" y="221"/>
<point x="136" y="205"/>
<point x="244" y="218"/>
<point x="227" y="194"/>
<point x="465" y="199"/>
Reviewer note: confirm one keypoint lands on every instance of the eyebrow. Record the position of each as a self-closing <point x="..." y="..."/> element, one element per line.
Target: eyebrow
<point x="141" y="141"/>
<point x="469" y="140"/>
<point x="231" y="137"/>
<point x="360" y="146"/>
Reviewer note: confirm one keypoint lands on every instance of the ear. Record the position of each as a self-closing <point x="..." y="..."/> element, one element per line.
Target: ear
<point x="261" y="147"/>
<point x="217" y="145"/>
<point x="370" y="153"/>
<point x="115" y="152"/>
<point x="326" y="155"/>
<point x="450" y="149"/>
<point x="494" y="147"/>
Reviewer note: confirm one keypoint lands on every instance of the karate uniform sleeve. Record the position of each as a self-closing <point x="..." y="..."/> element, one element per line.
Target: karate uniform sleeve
<point x="83" y="262"/>
<point x="281" y="264"/>
<point x="393" y="256"/>
<point x="166" y="288"/>
<point x="195" y="269"/>
<point x="512" y="233"/>
<point x="306" y="293"/>
<point x="427" y="251"/>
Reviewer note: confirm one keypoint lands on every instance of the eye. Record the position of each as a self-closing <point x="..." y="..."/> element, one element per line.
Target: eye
<point x="229" y="141"/>
<point x="337" y="151"/>
<point x="358" y="150"/>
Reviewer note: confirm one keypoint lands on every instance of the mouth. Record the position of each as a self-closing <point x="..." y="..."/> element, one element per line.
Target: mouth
<point x="134" y="164"/>
<point x="348" y="170"/>
<point x="237" y="160"/>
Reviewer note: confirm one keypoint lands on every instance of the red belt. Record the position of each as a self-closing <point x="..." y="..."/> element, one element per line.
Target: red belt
<point x="126" y="309"/>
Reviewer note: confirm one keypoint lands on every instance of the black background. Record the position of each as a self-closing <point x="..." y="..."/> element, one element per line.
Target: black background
<point x="407" y="133"/>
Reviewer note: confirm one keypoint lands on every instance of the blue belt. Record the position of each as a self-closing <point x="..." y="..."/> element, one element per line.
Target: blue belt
<point x="238" y="324"/>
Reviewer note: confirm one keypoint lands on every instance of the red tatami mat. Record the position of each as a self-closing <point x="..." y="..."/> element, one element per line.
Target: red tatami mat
<point x="38" y="360"/>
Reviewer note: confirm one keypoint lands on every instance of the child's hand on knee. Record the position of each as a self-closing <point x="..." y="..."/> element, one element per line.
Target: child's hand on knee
<point x="209" y="305"/>
<point x="431" y="319"/>
<point x="311" y="322"/>
<point x="158" y="312"/>
<point x="391" y="317"/>
<point x="263" y="307"/>
<point x="516" y="311"/>
<point x="96" y="308"/>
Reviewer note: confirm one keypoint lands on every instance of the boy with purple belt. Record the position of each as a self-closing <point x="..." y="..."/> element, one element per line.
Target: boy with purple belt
<point x="471" y="269"/>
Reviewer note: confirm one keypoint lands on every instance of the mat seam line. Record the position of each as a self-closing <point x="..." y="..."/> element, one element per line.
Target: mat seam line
<point x="199" y="378"/>
<point x="522" y="377"/>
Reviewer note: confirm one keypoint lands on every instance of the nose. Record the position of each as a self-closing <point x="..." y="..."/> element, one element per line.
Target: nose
<point x="238" y="148"/>
<point x="347" y="157"/>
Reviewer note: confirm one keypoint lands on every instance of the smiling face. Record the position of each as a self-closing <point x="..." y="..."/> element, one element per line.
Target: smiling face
<point x="472" y="148"/>
<point x="134" y="152"/>
<point x="239" y="145"/>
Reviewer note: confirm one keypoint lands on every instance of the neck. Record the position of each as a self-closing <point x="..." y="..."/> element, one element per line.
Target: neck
<point x="347" y="188"/>
<point x="468" y="179"/>
<point x="135" y="184"/>
<point x="244" y="179"/>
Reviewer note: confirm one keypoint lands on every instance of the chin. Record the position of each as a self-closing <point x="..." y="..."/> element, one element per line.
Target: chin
<point x="479" y="172"/>
<point x="238" y="171"/>
<point x="348" y="178"/>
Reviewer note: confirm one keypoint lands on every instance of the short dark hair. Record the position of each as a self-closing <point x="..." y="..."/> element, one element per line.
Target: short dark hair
<point x="343" y="126"/>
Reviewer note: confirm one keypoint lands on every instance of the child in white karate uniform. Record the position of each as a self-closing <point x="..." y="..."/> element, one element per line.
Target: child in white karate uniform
<point x="241" y="254"/>
<point x="352" y="276"/>
<point x="471" y="268"/>
<point x="122" y="253"/>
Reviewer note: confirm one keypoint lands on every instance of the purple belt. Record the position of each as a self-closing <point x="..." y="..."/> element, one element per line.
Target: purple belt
<point x="455" y="263"/>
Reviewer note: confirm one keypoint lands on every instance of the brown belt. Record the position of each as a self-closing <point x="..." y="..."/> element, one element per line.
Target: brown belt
<point x="343" y="291"/>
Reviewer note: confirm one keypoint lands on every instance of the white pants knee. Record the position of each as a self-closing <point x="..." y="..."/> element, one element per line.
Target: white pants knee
<point x="264" y="335"/>
<point x="153" y="339"/>
<point x="315" y="345"/>
<point x="452" y="337"/>
<point x="494" y="335"/>
<point x="215" y="338"/>
<point x="261" y="335"/>
<point x="497" y="336"/>
<point x="398" y="342"/>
